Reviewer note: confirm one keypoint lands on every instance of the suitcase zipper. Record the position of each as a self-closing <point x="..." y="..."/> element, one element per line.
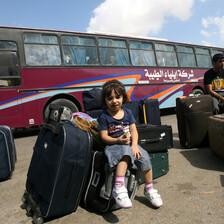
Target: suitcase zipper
<point x="7" y="149"/>
<point x="52" y="195"/>
<point x="13" y="143"/>
<point x="71" y="182"/>
<point x="91" y="177"/>
<point x="87" y="162"/>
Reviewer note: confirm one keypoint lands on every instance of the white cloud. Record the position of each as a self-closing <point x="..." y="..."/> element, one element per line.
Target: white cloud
<point x="206" y="43"/>
<point x="137" y="17"/>
<point x="211" y="23"/>
<point x="207" y="34"/>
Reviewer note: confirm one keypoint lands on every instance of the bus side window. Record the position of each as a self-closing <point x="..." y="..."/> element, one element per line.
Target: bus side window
<point x="9" y="74"/>
<point x="78" y="50"/>
<point x="113" y="52"/>
<point x="142" y="54"/>
<point x="186" y="56"/>
<point x="166" y="55"/>
<point x="41" y="49"/>
<point x="203" y="58"/>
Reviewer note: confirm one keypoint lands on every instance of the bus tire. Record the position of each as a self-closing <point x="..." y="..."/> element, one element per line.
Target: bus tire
<point x="197" y="92"/>
<point x="61" y="102"/>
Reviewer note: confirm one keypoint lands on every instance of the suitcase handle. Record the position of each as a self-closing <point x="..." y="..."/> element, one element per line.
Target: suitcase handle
<point x="152" y="140"/>
<point x="53" y="125"/>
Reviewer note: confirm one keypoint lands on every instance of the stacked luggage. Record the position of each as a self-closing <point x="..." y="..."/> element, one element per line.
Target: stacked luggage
<point x="156" y="140"/>
<point x="67" y="170"/>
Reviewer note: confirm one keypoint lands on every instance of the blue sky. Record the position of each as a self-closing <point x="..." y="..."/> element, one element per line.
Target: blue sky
<point x="188" y="21"/>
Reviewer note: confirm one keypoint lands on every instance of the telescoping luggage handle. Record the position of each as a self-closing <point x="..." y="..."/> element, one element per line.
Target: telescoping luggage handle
<point x="151" y="140"/>
<point x="51" y="124"/>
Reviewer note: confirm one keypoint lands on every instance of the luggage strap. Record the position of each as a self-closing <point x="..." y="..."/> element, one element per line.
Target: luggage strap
<point x="144" y="114"/>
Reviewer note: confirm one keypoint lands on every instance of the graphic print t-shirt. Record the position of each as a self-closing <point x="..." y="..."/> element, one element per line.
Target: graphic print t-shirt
<point x="216" y="79"/>
<point x="116" y="127"/>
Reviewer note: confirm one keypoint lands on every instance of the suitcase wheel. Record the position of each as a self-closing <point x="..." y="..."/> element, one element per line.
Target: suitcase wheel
<point x="24" y="201"/>
<point x="29" y="211"/>
<point x="37" y="219"/>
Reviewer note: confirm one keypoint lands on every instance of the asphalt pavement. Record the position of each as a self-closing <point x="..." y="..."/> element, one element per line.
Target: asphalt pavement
<point x="192" y="190"/>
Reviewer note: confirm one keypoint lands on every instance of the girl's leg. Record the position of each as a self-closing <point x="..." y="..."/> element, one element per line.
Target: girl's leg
<point x="119" y="192"/>
<point x="121" y="171"/>
<point x="122" y="166"/>
<point x="149" y="190"/>
<point x="144" y="164"/>
<point x="147" y="176"/>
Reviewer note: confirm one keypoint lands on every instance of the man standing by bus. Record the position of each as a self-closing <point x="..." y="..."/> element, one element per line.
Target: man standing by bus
<point x="214" y="81"/>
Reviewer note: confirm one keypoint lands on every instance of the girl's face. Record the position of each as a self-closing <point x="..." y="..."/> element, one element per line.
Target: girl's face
<point x="114" y="102"/>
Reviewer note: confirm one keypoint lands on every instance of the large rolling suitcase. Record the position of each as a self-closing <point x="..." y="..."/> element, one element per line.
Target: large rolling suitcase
<point x="192" y="120"/>
<point x="216" y="134"/>
<point x="155" y="138"/>
<point x="7" y="153"/>
<point x="160" y="165"/>
<point x="58" y="169"/>
<point x="98" y="190"/>
<point x="149" y="112"/>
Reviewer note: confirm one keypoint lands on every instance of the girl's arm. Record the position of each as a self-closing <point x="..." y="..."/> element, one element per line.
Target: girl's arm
<point x="134" y="136"/>
<point x="110" y="141"/>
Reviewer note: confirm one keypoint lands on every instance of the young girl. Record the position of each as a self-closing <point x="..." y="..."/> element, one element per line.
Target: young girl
<point x="118" y="130"/>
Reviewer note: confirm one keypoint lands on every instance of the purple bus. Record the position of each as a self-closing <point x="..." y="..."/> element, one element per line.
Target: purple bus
<point x="39" y="67"/>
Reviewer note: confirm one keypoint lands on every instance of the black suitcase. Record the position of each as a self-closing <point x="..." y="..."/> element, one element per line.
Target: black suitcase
<point x="160" y="165"/>
<point x="7" y="153"/>
<point x="92" y="99"/>
<point x="98" y="191"/>
<point x="149" y="112"/>
<point x="192" y="120"/>
<point x="58" y="169"/>
<point x="134" y="106"/>
<point x="94" y="113"/>
<point x="155" y="138"/>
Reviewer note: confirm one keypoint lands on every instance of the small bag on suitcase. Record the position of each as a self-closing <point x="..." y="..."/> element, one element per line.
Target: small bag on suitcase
<point x="58" y="169"/>
<point x="216" y="134"/>
<point x="98" y="191"/>
<point x="7" y="153"/>
<point x="149" y="112"/>
<point x="155" y="138"/>
<point x="192" y="120"/>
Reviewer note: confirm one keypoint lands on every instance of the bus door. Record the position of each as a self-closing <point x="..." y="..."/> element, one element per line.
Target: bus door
<point x="10" y="80"/>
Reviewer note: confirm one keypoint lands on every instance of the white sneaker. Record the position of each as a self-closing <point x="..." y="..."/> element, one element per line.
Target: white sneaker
<point x="153" y="197"/>
<point x="121" y="197"/>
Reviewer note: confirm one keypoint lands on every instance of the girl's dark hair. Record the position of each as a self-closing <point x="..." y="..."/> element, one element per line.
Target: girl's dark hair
<point x="118" y="88"/>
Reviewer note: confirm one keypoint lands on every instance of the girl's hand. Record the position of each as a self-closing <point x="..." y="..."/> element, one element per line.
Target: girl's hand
<point x="137" y="153"/>
<point x="124" y="140"/>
